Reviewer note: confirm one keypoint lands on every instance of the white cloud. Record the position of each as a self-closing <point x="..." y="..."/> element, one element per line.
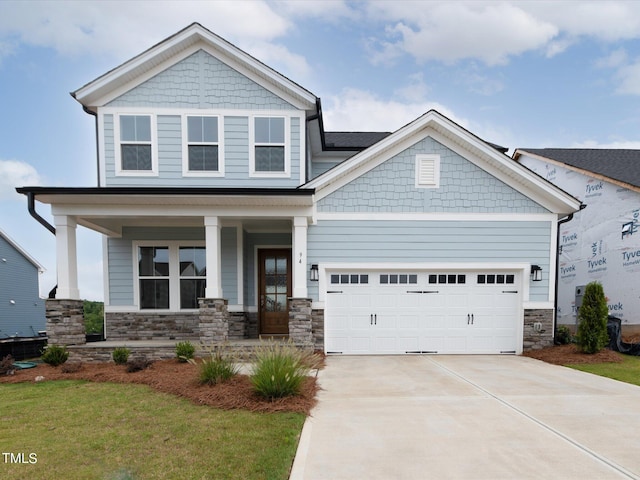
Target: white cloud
<point x="493" y="32"/>
<point x="617" y="58"/>
<point x="15" y="173"/>
<point x="359" y="110"/>
<point x="116" y="29"/>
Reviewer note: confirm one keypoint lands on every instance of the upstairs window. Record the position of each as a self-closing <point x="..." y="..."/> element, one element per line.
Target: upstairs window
<point x="135" y="143"/>
<point x="202" y="152"/>
<point x="269" y="142"/>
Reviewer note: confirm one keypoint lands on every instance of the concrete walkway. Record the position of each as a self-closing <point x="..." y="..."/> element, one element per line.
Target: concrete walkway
<point x="476" y="417"/>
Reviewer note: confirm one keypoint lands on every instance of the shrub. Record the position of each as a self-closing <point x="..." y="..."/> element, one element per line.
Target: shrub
<point x="280" y="369"/>
<point x="6" y="365"/>
<point x="55" y="355"/>
<point x="592" y="316"/>
<point x="563" y="335"/>
<point x="71" y="367"/>
<point x="185" y="351"/>
<point x="138" y="364"/>
<point x="121" y="355"/>
<point x="218" y="368"/>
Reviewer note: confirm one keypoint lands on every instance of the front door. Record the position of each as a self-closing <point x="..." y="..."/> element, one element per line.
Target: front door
<point x="274" y="275"/>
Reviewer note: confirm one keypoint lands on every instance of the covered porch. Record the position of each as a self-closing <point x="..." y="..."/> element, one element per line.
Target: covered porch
<point x="210" y="265"/>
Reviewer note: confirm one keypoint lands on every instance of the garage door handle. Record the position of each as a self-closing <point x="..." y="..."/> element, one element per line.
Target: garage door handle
<point x="375" y="319"/>
<point x="334" y="291"/>
<point x="468" y="319"/>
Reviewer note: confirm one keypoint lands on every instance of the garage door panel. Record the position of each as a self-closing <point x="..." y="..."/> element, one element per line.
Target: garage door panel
<point x="456" y="317"/>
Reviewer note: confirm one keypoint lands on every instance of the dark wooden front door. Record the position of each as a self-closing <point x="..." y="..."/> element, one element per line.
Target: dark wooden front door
<point x="274" y="289"/>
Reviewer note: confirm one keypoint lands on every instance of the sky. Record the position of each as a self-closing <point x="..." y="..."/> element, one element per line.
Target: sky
<point x="519" y="74"/>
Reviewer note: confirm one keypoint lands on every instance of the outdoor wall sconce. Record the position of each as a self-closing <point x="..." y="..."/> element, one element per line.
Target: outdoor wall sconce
<point x="536" y="273"/>
<point x="314" y="273"/>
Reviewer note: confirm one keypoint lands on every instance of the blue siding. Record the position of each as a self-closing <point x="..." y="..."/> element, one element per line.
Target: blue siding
<point x="464" y="187"/>
<point x="229" y="247"/>
<point x="121" y="265"/>
<point x="19" y="283"/>
<point x="201" y="81"/>
<point x="432" y="241"/>
<point x="119" y="251"/>
<point x="236" y="153"/>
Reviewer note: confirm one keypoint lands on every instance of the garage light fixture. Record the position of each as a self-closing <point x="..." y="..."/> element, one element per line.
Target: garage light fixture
<point x="314" y="273"/>
<point x="536" y="273"/>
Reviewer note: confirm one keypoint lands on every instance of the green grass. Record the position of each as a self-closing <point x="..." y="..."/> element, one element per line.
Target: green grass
<point x="83" y="430"/>
<point x="626" y="371"/>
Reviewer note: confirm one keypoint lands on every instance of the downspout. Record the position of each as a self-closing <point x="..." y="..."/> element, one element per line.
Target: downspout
<point x="31" y="199"/>
<point x="86" y="110"/>
<point x="558" y="251"/>
<point x="316" y="116"/>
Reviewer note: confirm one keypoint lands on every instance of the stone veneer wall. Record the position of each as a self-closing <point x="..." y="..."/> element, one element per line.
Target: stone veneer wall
<point x="152" y="326"/>
<point x="237" y="326"/>
<point x="300" y="322"/>
<point x="536" y="339"/>
<point x="214" y="320"/>
<point x="252" y="324"/>
<point x="317" y="328"/>
<point x="65" y="322"/>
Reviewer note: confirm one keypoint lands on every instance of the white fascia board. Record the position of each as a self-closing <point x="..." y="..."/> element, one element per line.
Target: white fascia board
<point x="176" y="48"/>
<point x="132" y="210"/>
<point x="462" y="142"/>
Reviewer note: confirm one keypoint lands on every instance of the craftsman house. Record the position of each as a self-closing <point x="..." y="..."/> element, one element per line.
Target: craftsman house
<point x="228" y="212"/>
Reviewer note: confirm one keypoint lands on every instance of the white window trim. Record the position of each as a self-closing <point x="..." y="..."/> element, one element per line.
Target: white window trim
<point x="428" y="157"/>
<point x="117" y="143"/>
<point x="185" y="146"/>
<point x="174" y="273"/>
<point x="287" y="148"/>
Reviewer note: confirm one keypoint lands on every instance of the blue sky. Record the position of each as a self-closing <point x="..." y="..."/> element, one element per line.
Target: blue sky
<point x="520" y="74"/>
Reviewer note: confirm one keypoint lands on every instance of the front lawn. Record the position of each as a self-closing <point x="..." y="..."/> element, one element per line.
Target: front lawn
<point x="627" y="370"/>
<point x="82" y="430"/>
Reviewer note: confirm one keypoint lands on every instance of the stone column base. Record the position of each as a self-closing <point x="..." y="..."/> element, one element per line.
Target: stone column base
<point x="65" y="322"/>
<point x="538" y="329"/>
<point x="214" y="320"/>
<point x="300" y="322"/>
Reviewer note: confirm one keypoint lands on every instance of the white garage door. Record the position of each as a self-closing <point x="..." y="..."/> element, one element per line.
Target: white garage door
<point x="426" y="312"/>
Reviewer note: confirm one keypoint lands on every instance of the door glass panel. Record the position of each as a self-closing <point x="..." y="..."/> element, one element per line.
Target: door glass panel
<point x="282" y="265"/>
<point x="270" y="265"/>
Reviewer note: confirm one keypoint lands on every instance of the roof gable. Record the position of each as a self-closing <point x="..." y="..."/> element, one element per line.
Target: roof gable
<point x="172" y="50"/>
<point x="21" y="251"/>
<point x="456" y="138"/>
<point x="621" y="166"/>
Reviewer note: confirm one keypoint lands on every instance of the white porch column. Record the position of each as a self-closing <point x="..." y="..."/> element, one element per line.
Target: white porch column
<point x="299" y="259"/>
<point x="66" y="257"/>
<point x="213" y="246"/>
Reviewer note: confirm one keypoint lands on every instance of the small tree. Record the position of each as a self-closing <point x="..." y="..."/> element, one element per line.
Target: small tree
<point x="592" y="330"/>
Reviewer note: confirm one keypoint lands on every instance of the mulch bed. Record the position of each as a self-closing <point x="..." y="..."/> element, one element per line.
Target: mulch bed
<point x="173" y="377"/>
<point x="570" y="355"/>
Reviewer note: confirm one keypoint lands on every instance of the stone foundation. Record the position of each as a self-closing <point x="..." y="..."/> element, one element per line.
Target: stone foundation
<point x="65" y="322"/>
<point x="152" y="326"/>
<point x="237" y="326"/>
<point x="317" y="328"/>
<point x="214" y="320"/>
<point x="252" y="324"/>
<point x="300" y="322"/>
<point x="538" y="329"/>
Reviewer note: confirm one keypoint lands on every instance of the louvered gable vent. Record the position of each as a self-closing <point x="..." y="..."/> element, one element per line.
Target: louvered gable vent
<point x="428" y="171"/>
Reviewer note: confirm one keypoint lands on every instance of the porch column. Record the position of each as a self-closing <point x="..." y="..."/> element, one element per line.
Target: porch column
<point x="66" y="257"/>
<point x="299" y="259"/>
<point x="212" y="229"/>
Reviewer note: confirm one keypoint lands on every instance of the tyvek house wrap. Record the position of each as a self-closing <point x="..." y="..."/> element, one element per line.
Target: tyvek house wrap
<point x="601" y="243"/>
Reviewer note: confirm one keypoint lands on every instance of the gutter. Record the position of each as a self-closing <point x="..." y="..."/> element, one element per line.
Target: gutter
<point x="555" y="296"/>
<point x="31" y="198"/>
<point x="86" y="110"/>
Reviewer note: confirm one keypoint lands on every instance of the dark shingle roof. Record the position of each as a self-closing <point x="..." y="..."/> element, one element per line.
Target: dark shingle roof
<point x="622" y="165"/>
<point x="352" y="140"/>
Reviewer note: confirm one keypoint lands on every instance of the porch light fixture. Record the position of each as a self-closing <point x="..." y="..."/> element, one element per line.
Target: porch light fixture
<point x="536" y="273"/>
<point x="314" y="273"/>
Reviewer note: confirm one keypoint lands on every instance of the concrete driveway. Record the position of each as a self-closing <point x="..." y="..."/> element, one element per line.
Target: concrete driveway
<point x="480" y="417"/>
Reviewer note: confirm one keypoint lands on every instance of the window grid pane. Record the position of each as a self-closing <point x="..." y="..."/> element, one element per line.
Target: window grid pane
<point x="203" y="158"/>
<point x="269" y="159"/>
